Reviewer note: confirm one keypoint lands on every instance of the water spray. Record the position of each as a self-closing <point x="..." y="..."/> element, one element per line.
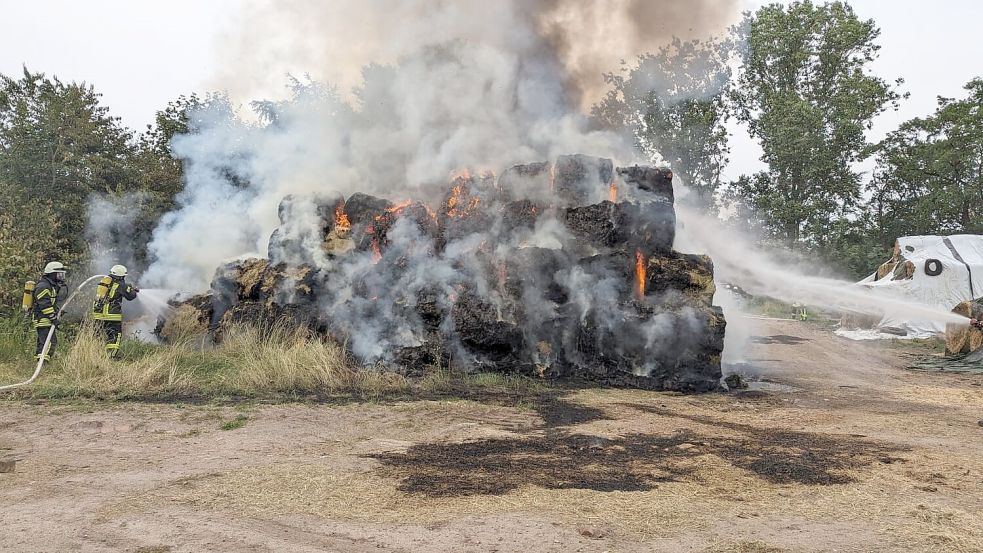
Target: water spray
<point x="47" y="341"/>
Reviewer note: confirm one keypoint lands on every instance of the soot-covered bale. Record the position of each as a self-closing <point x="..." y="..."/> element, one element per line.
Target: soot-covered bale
<point x="539" y="273"/>
<point x="650" y="227"/>
<point x="580" y="180"/>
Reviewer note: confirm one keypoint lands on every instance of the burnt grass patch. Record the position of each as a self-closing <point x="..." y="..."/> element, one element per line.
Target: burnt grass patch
<point x="552" y="457"/>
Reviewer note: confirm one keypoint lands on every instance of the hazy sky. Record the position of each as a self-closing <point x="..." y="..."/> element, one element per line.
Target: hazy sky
<point x="142" y="54"/>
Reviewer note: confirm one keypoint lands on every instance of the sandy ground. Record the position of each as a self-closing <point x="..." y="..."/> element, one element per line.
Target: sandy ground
<point x="844" y="451"/>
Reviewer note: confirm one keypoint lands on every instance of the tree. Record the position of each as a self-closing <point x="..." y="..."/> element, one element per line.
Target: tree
<point x="929" y="176"/>
<point x="58" y="145"/>
<point x="806" y="94"/>
<point x="673" y="103"/>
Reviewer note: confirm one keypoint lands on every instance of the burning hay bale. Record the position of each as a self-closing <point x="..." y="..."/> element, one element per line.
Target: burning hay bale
<point x="962" y="338"/>
<point x="557" y="270"/>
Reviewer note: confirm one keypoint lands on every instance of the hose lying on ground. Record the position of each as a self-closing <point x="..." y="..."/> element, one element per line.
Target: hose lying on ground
<point x="47" y="341"/>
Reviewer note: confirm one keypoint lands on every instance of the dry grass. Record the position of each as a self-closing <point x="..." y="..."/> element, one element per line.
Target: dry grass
<point x="247" y="362"/>
<point x="277" y="362"/>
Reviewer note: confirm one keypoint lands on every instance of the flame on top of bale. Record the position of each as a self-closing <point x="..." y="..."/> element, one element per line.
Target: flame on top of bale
<point x="341" y="221"/>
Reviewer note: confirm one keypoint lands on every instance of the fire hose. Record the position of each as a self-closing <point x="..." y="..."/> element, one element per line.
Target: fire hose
<point x="47" y="341"/>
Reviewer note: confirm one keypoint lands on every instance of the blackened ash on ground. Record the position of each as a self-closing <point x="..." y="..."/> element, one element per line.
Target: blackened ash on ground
<point x="555" y="458"/>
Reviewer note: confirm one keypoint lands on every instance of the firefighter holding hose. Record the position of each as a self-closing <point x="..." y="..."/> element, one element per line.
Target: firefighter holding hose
<point x="42" y="300"/>
<point x="108" y="306"/>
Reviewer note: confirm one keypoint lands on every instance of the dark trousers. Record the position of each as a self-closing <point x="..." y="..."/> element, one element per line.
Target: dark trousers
<point x="113" y="331"/>
<point x="42" y="336"/>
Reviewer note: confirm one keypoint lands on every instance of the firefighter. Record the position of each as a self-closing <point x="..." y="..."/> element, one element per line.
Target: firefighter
<point x="44" y="311"/>
<point x="108" y="307"/>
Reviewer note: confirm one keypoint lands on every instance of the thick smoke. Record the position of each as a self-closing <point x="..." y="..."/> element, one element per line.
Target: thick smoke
<point x="425" y="87"/>
<point x="571" y="43"/>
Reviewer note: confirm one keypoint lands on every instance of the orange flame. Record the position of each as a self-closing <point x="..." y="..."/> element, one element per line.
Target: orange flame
<point x="613" y="192"/>
<point x="431" y="213"/>
<point x="399" y="207"/>
<point x="341" y="219"/>
<point x="463" y="173"/>
<point x="640" y="263"/>
<point x="376" y="252"/>
<point x="552" y="177"/>
<point x="455" y="204"/>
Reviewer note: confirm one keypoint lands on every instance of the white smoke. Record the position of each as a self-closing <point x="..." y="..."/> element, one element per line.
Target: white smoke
<point x="110" y="230"/>
<point x="739" y="261"/>
<point x="425" y="87"/>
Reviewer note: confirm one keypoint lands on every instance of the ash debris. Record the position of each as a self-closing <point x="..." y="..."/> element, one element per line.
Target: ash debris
<point x="561" y="270"/>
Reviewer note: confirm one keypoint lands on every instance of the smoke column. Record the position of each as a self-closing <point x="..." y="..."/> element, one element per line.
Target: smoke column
<point x="424" y="87"/>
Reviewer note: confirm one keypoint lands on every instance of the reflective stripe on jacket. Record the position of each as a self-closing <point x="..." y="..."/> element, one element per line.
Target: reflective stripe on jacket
<point x="45" y="302"/>
<point x="110" y="308"/>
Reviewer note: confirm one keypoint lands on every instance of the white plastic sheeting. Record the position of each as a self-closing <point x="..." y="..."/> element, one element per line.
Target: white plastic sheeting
<point x="961" y="279"/>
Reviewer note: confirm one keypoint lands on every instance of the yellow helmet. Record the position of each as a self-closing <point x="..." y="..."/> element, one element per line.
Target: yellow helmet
<point x="118" y="271"/>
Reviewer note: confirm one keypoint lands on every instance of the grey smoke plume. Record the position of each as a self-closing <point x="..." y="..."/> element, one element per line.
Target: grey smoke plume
<point x="425" y="87"/>
<point x="574" y="41"/>
<point x="110" y="230"/>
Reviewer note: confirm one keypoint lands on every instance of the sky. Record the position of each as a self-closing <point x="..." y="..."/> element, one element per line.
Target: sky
<point x="141" y="54"/>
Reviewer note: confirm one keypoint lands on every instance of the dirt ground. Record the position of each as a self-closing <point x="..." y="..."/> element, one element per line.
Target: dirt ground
<point x="838" y="448"/>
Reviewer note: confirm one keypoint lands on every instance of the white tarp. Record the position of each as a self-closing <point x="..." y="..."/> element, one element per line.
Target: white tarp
<point x="961" y="279"/>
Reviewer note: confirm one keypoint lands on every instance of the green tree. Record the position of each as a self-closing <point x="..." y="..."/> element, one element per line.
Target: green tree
<point x="929" y="175"/>
<point x="805" y="92"/>
<point x="674" y="104"/>
<point x="58" y="145"/>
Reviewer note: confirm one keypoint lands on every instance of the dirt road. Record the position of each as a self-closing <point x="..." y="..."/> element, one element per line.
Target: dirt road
<point x="844" y="451"/>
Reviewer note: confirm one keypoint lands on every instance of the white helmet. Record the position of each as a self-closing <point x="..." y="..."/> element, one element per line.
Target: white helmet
<point x="54" y="267"/>
<point x="118" y="271"/>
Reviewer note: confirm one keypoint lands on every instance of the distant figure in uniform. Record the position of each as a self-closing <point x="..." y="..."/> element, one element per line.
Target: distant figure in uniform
<point x="44" y="313"/>
<point x="108" y="307"/>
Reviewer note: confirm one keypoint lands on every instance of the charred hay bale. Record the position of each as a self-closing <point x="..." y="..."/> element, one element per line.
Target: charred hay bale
<point x="520" y="214"/>
<point x="655" y="180"/>
<point x="248" y="283"/>
<point x="961" y="338"/>
<point x="530" y="277"/>
<point x="603" y="225"/>
<point x="304" y="220"/>
<point x="490" y="343"/>
<point x="362" y="208"/>
<point x="649" y="227"/>
<point x="581" y="180"/>
<point x="522" y="180"/>
<point x="649" y="348"/>
<point x="459" y="214"/>
<point x="415" y="212"/>
<point x="419" y="360"/>
<point x="689" y="274"/>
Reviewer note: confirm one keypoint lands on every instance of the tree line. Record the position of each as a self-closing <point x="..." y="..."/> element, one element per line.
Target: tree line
<point x="798" y="76"/>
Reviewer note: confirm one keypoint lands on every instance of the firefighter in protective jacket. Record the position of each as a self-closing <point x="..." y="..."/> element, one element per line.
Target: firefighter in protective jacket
<point x="44" y="311"/>
<point x="108" y="307"/>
